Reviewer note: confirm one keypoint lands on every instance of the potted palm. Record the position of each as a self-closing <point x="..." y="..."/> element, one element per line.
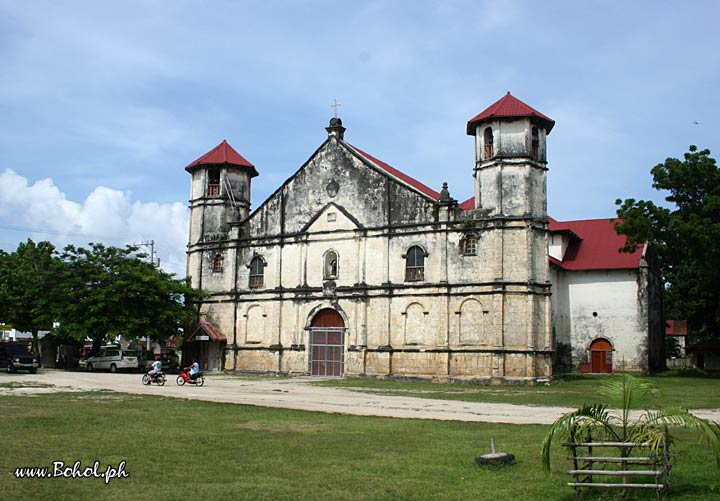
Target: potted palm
<point x="626" y="419"/>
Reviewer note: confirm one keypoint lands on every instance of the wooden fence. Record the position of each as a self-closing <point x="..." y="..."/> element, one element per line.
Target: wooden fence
<point x="621" y="465"/>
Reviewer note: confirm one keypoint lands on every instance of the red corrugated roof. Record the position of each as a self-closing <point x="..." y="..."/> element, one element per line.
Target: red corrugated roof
<point x="223" y="153"/>
<point x="509" y="106"/>
<point x="593" y="245"/>
<point x="209" y="329"/>
<point x="596" y="247"/>
<point x="676" y="327"/>
<point x="468" y="204"/>
<point x="400" y="175"/>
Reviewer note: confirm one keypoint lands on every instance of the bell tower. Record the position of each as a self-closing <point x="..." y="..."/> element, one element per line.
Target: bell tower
<point x="511" y="203"/>
<point x="219" y="197"/>
<point x="510" y="159"/>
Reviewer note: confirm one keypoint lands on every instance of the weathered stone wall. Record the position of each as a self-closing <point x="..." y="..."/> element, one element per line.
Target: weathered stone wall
<point x="510" y="139"/>
<point x="561" y="321"/>
<point x="470" y="317"/>
<point x="211" y="218"/>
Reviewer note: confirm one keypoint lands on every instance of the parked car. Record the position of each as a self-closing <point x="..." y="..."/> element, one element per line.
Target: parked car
<point x="114" y="359"/>
<point x="17" y="356"/>
<point x="170" y="361"/>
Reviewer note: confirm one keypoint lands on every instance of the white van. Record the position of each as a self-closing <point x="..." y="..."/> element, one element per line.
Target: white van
<point x="114" y="359"/>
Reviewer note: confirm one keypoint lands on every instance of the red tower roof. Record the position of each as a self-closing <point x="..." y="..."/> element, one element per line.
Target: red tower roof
<point x="509" y="106"/>
<point x="225" y="154"/>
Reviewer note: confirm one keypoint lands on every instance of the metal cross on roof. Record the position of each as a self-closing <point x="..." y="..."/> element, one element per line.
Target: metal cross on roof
<point x="335" y="105"/>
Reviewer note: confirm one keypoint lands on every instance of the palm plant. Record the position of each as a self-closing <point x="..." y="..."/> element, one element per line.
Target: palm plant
<point x="614" y="422"/>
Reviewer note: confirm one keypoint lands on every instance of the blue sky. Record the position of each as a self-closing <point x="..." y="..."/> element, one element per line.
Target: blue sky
<point x="102" y="104"/>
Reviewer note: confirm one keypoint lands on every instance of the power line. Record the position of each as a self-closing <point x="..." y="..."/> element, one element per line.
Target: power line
<point x="153" y="247"/>
<point x="63" y="234"/>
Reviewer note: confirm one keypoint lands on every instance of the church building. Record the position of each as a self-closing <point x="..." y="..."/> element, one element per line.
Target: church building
<point x="352" y="267"/>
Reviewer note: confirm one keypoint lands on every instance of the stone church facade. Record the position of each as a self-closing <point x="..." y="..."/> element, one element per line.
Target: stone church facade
<point x="351" y="267"/>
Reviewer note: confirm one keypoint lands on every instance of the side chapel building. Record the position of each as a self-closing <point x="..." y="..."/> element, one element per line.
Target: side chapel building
<point x="352" y="267"/>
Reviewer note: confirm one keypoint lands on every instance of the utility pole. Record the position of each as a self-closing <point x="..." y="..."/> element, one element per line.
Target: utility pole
<point x="151" y="244"/>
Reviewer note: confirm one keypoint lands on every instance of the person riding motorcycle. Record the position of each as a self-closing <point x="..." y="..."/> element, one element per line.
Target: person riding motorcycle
<point x="156" y="368"/>
<point x="194" y="370"/>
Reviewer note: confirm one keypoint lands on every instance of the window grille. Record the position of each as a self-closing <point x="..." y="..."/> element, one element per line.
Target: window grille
<point x="415" y="264"/>
<point x="468" y="246"/>
<point x="213" y="189"/>
<point x="257" y="273"/>
<point x="489" y="143"/>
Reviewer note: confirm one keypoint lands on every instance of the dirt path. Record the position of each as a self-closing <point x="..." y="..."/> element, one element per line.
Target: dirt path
<point x="292" y="393"/>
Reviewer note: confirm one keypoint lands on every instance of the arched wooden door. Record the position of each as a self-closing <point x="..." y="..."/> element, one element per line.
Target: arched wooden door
<point x="601" y="356"/>
<point x="327" y="345"/>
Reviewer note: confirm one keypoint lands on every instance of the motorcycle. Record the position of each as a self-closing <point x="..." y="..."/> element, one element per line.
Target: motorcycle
<point x="184" y="377"/>
<point x="159" y="379"/>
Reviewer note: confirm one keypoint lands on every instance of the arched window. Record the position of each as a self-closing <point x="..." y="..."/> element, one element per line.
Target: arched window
<point x="535" y="143"/>
<point x="468" y="245"/>
<point x="330" y="265"/>
<point x="217" y="263"/>
<point x="213" y="187"/>
<point x="257" y="272"/>
<point x="415" y="264"/>
<point x="489" y="152"/>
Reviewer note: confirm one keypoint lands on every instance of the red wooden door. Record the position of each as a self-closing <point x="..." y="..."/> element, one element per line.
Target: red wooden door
<point x="601" y="356"/>
<point x="327" y="318"/>
<point x="327" y="349"/>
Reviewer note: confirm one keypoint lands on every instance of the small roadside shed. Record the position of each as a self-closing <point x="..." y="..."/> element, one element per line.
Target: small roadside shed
<point x="707" y="354"/>
<point x="206" y="344"/>
<point x="677" y="329"/>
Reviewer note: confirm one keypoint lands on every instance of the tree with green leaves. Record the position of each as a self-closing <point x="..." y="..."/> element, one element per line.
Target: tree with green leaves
<point x="612" y="421"/>
<point x="116" y="292"/>
<point x="685" y="235"/>
<point x="30" y="289"/>
<point x="4" y="285"/>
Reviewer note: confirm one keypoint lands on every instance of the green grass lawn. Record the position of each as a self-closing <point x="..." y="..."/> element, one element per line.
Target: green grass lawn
<point x="182" y="449"/>
<point x="569" y="391"/>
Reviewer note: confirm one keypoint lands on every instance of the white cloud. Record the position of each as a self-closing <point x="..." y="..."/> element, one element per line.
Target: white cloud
<point x="123" y="95"/>
<point x="43" y="212"/>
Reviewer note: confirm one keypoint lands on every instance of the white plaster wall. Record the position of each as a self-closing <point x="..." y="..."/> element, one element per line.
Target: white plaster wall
<point x="612" y="294"/>
<point x="557" y="245"/>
